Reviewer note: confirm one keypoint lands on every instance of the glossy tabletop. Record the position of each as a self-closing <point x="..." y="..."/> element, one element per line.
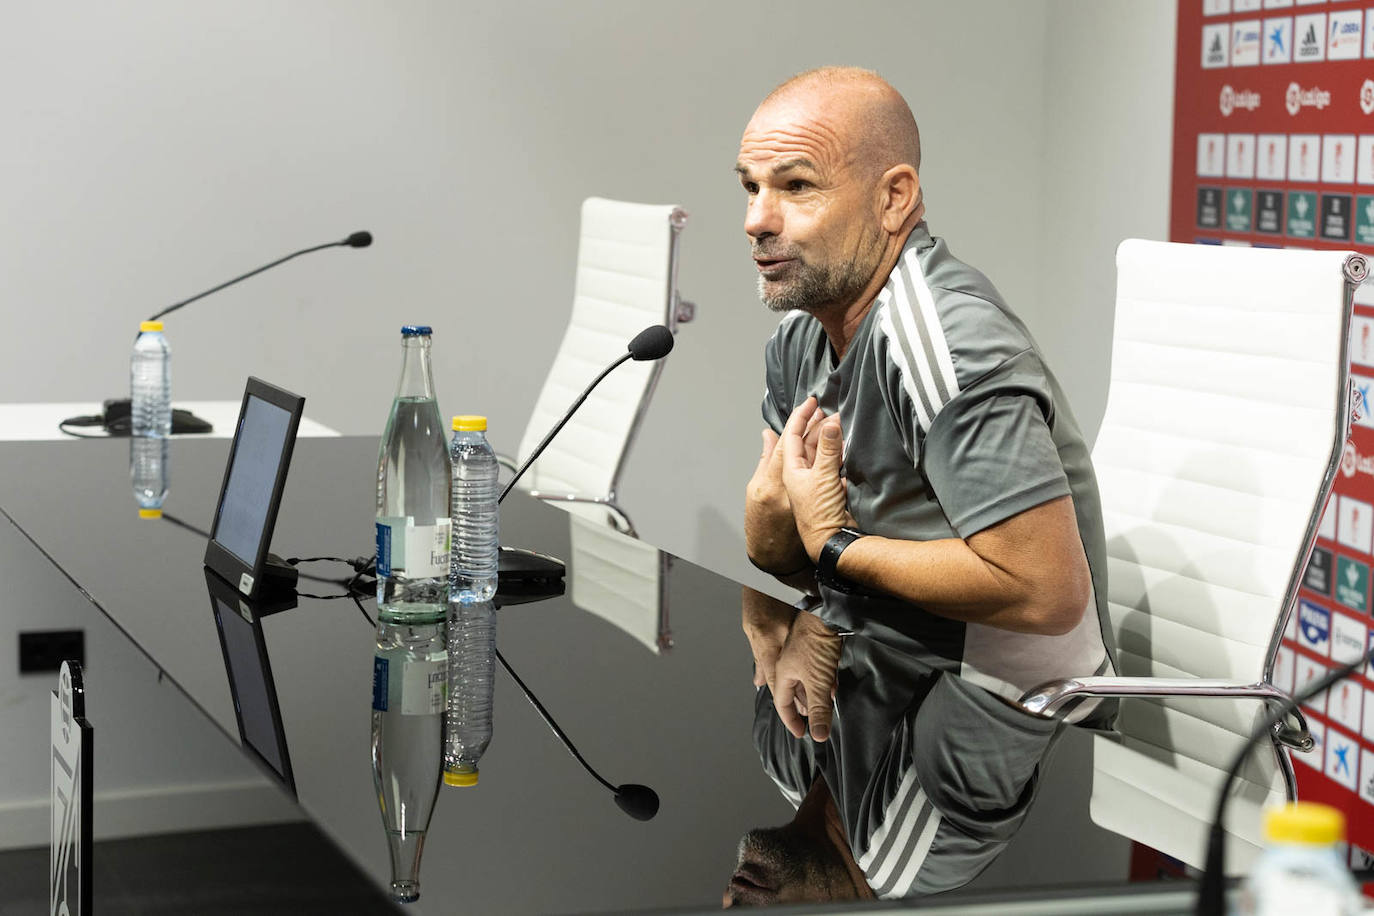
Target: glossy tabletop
<point x="537" y="834"/>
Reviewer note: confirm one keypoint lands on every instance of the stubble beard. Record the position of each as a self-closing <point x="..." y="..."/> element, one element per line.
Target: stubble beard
<point x="818" y="287"/>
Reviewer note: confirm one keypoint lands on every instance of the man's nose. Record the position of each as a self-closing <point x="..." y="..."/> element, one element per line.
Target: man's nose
<point x="763" y="217"/>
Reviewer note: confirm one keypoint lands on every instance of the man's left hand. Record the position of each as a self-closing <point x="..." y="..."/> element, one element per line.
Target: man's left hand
<point x="815" y="484"/>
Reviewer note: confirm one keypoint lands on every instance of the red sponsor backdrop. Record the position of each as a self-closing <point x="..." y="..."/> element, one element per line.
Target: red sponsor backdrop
<point x="1274" y="146"/>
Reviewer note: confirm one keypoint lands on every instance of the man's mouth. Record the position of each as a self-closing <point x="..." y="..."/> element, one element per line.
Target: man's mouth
<point x="748" y="885"/>
<point x="771" y="265"/>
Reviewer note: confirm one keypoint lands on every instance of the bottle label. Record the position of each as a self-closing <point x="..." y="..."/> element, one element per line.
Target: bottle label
<point x="418" y="551"/>
<point x="419" y="689"/>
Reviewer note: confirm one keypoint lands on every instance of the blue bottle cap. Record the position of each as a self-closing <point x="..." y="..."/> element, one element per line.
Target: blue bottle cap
<point x="416" y="330"/>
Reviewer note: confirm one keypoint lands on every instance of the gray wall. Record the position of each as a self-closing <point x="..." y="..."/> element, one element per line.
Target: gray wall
<point x="154" y="148"/>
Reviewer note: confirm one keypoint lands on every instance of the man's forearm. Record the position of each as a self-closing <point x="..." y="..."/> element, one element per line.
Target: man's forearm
<point x="1027" y="574"/>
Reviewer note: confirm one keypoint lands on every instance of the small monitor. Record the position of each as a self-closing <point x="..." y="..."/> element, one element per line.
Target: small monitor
<point x="256" y="708"/>
<point x="253" y="483"/>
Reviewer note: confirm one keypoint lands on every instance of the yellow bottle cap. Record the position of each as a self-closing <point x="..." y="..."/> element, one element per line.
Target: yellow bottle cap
<point x="150" y="326"/>
<point x="467" y="423"/>
<point x="150" y="513"/>
<point x="452" y="778"/>
<point x="1307" y="823"/>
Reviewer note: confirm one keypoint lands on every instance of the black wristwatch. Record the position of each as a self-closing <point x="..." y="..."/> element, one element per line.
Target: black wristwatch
<point x="830" y="558"/>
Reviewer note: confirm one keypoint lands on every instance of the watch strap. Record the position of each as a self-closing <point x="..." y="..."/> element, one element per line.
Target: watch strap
<point x="830" y="557"/>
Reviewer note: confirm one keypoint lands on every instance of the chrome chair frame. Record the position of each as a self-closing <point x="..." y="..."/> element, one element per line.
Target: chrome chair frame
<point x="1293" y="732"/>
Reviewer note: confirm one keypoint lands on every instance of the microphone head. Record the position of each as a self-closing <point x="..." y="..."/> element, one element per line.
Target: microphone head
<point x="654" y="342"/>
<point x="359" y="239"/>
<point x="639" y="802"/>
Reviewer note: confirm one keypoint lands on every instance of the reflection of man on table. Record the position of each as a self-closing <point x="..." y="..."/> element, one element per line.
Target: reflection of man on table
<point x="920" y="465"/>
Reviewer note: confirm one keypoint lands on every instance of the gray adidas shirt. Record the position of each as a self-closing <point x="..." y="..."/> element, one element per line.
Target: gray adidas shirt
<point x="932" y="775"/>
<point x="952" y="423"/>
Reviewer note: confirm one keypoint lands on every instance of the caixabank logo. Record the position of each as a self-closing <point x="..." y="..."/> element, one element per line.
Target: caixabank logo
<point x="1242" y="99"/>
<point x="1297" y="98"/>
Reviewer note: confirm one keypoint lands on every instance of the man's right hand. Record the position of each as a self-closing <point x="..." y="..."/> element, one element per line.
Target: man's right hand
<point x="770" y="530"/>
<point x="766" y="622"/>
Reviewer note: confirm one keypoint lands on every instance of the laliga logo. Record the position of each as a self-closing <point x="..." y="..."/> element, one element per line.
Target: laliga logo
<point x="1350" y="460"/>
<point x="1298" y="98"/>
<point x="1244" y="99"/>
<point x="1366" y="97"/>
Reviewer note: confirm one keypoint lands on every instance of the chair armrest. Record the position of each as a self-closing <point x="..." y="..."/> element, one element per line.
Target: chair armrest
<point x="507" y="462"/>
<point x="1046" y="699"/>
<point x="623" y="525"/>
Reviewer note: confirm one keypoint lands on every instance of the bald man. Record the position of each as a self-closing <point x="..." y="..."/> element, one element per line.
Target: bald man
<point x="921" y="471"/>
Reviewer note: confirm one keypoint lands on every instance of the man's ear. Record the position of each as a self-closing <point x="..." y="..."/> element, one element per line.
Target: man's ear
<point x="900" y="188"/>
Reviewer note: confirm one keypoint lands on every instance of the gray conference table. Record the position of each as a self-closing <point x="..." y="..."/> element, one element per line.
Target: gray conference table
<point x="538" y="835"/>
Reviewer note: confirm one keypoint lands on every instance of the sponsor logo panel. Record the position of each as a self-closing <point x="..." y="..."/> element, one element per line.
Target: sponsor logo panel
<point x="1364" y="385"/>
<point x="1336" y="217"/>
<point x="1367" y="728"/>
<point x="1209" y="208"/>
<point x="1362" y="341"/>
<point x="1315" y="757"/>
<point x="1240" y="155"/>
<point x="1302" y="214"/>
<point x="1317" y="576"/>
<point x="1366" y="776"/>
<point x="1307" y="672"/>
<point x="1269" y="212"/>
<point x="1211" y="155"/>
<point x="1345" y="35"/>
<point x="1314" y="629"/>
<point x="1278" y="40"/>
<point x="1271" y="157"/>
<point x="1368" y="35"/>
<point x="1364" y="227"/>
<point x="1304" y="157"/>
<point x="1342" y="758"/>
<point x="1344" y="704"/>
<point x="1309" y="38"/>
<point x="1352" y="590"/>
<point x="1277" y="4"/>
<point x="1239" y="210"/>
<point x="1216" y="7"/>
<point x="1245" y="6"/>
<point x="1348" y="637"/>
<point x="1216" y="46"/>
<point x="1283" y="670"/>
<point x="1338" y="158"/>
<point x="1245" y="43"/>
<point x="1327" y="528"/>
<point x="1364" y="161"/>
<point x="1353" y="527"/>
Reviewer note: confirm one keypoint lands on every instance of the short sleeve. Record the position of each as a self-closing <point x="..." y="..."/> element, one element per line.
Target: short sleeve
<point x="989" y="453"/>
<point x="788" y="761"/>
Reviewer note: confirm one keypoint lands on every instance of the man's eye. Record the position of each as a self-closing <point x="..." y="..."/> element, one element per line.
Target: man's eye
<point x="750" y="187"/>
<point x="797" y="184"/>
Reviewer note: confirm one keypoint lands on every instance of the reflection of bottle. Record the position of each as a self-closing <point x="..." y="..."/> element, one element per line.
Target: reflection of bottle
<point x="150" y="419"/>
<point x="1301" y="869"/>
<point x="408" y="687"/>
<point x="413" y="494"/>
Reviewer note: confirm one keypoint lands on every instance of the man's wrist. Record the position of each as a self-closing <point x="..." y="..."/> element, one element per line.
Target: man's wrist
<point x="827" y="562"/>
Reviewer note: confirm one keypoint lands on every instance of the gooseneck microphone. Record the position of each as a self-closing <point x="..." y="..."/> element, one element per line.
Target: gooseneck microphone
<point x="356" y="240"/>
<point x="1211" y="895"/>
<point x="654" y="342"/>
<point x="639" y="802"/>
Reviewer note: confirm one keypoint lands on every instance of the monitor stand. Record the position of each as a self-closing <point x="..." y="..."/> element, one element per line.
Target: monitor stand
<point x="278" y="576"/>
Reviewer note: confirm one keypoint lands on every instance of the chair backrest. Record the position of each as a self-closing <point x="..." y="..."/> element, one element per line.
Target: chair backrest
<point x="622" y="580"/>
<point x="626" y="281"/>
<point x="1227" y="413"/>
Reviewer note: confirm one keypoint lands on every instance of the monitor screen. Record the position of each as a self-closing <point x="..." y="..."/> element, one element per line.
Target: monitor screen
<point x="252" y="478"/>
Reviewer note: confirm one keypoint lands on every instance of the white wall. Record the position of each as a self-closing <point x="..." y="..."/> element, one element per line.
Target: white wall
<point x="154" y="148"/>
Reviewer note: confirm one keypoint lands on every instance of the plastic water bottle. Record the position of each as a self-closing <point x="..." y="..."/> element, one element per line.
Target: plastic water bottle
<point x="471" y="613"/>
<point x="409" y="676"/>
<point x="413" y="472"/>
<point x="1301" y="869"/>
<point x="150" y="393"/>
<point x="476" y="547"/>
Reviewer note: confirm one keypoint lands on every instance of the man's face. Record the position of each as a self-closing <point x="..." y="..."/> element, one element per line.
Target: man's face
<point x="787" y="865"/>
<point x="812" y="214"/>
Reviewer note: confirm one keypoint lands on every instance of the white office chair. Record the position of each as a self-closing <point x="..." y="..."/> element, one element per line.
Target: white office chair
<point x="1229" y="409"/>
<point x="627" y="262"/>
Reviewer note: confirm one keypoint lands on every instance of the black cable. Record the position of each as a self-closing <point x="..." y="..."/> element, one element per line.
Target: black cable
<point x="548" y="720"/>
<point x="79" y="421"/>
<point x="1211" y="895"/>
<point x="180" y="523"/>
